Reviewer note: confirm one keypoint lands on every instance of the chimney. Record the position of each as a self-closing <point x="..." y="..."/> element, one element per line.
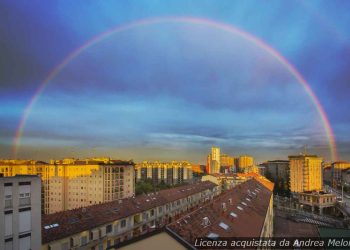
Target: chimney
<point x="223" y="206"/>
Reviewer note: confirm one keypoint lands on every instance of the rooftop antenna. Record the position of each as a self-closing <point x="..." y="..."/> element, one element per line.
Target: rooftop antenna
<point x="305" y="149"/>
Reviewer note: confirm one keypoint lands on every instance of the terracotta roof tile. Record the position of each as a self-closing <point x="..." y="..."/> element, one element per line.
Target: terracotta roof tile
<point x="244" y="216"/>
<point x="77" y="220"/>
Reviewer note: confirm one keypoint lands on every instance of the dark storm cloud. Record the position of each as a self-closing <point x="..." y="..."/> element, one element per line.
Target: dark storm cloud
<point x="35" y="36"/>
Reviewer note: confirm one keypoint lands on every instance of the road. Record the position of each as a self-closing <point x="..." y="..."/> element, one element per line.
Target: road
<point x="339" y="194"/>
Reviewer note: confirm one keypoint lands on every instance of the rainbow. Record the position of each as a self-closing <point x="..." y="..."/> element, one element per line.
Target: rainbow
<point x="218" y="25"/>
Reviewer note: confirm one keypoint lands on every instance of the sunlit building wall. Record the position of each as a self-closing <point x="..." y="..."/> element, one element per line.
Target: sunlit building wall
<point x="197" y="168"/>
<point x="227" y="163"/>
<point x="305" y="173"/>
<point x="71" y="183"/>
<point x="337" y="170"/>
<point x="171" y="173"/>
<point x="215" y="160"/>
<point x="245" y="161"/>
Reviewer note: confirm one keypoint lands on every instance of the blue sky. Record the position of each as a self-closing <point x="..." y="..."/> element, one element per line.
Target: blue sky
<point x="172" y="90"/>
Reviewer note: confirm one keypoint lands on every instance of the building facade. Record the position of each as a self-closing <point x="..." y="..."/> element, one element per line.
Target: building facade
<point x="171" y="173"/>
<point x="213" y="161"/>
<point x="278" y="169"/>
<point x="317" y="200"/>
<point x="337" y="170"/>
<point x="72" y="183"/>
<point x="20" y="212"/>
<point x="245" y="162"/>
<point x="227" y="163"/>
<point x="305" y="173"/>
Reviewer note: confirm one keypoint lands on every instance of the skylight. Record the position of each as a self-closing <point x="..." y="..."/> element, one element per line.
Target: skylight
<point x="233" y="214"/>
<point x="212" y="236"/>
<point x="224" y="226"/>
<point x="73" y="220"/>
<point x="247" y="199"/>
<point x="245" y="204"/>
<point x="51" y="226"/>
<point x="240" y="208"/>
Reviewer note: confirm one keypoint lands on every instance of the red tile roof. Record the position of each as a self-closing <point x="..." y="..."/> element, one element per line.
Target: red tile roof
<point x="77" y="220"/>
<point x="246" y="208"/>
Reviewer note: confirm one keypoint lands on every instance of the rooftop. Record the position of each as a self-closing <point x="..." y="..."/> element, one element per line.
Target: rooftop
<point x="281" y="161"/>
<point x="303" y="155"/>
<point x="74" y="221"/>
<point x="8" y="162"/>
<point x="92" y="161"/>
<point x="18" y="176"/>
<point x="239" y="212"/>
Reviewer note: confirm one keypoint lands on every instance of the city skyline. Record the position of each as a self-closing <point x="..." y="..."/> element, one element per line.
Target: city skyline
<point x="168" y="83"/>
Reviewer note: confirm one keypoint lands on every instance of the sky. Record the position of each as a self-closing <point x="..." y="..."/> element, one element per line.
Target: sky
<point x="173" y="87"/>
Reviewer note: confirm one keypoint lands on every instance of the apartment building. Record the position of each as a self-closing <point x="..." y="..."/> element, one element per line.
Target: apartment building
<point x="104" y="225"/>
<point x="213" y="161"/>
<point x="245" y="163"/>
<point x="73" y="183"/>
<point x="173" y="172"/>
<point x="227" y="163"/>
<point x="278" y="169"/>
<point x="305" y="173"/>
<point x="20" y="216"/>
<point x="21" y="167"/>
<point x="337" y="170"/>
<point x="244" y="211"/>
<point x="317" y="200"/>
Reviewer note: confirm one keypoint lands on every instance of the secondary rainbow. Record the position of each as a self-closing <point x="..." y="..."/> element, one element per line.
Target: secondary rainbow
<point x="218" y="25"/>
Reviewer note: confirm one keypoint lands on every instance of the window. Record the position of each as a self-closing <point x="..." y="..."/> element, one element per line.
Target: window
<point x="152" y="212"/>
<point x="25" y="221"/>
<point x="8" y="245"/>
<point x="25" y="242"/>
<point x="123" y="223"/>
<point x="8" y="196"/>
<point x="83" y="240"/>
<point x="65" y="246"/>
<point x="8" y="224"/>
<point x="109" y="228"/>
<point x="24" y="194"/>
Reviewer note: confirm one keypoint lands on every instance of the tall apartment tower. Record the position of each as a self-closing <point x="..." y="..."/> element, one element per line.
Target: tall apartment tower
<point x="305" y="173"/>
<point x="215" y="160"/>
<point x="20" y="212"/>
<point x="244" y="162"/>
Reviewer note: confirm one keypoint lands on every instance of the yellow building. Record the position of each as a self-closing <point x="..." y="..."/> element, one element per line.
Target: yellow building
<point x="244" y="162"/>
<point x="227" y="163"/>
<point x="198" y="169"/>
<point x="337" y="169"/>
<point x="72" y="183"/>
<point x="213" y="161"/>
<point x="305" y="173"/>
<point x="173" y="172"/>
